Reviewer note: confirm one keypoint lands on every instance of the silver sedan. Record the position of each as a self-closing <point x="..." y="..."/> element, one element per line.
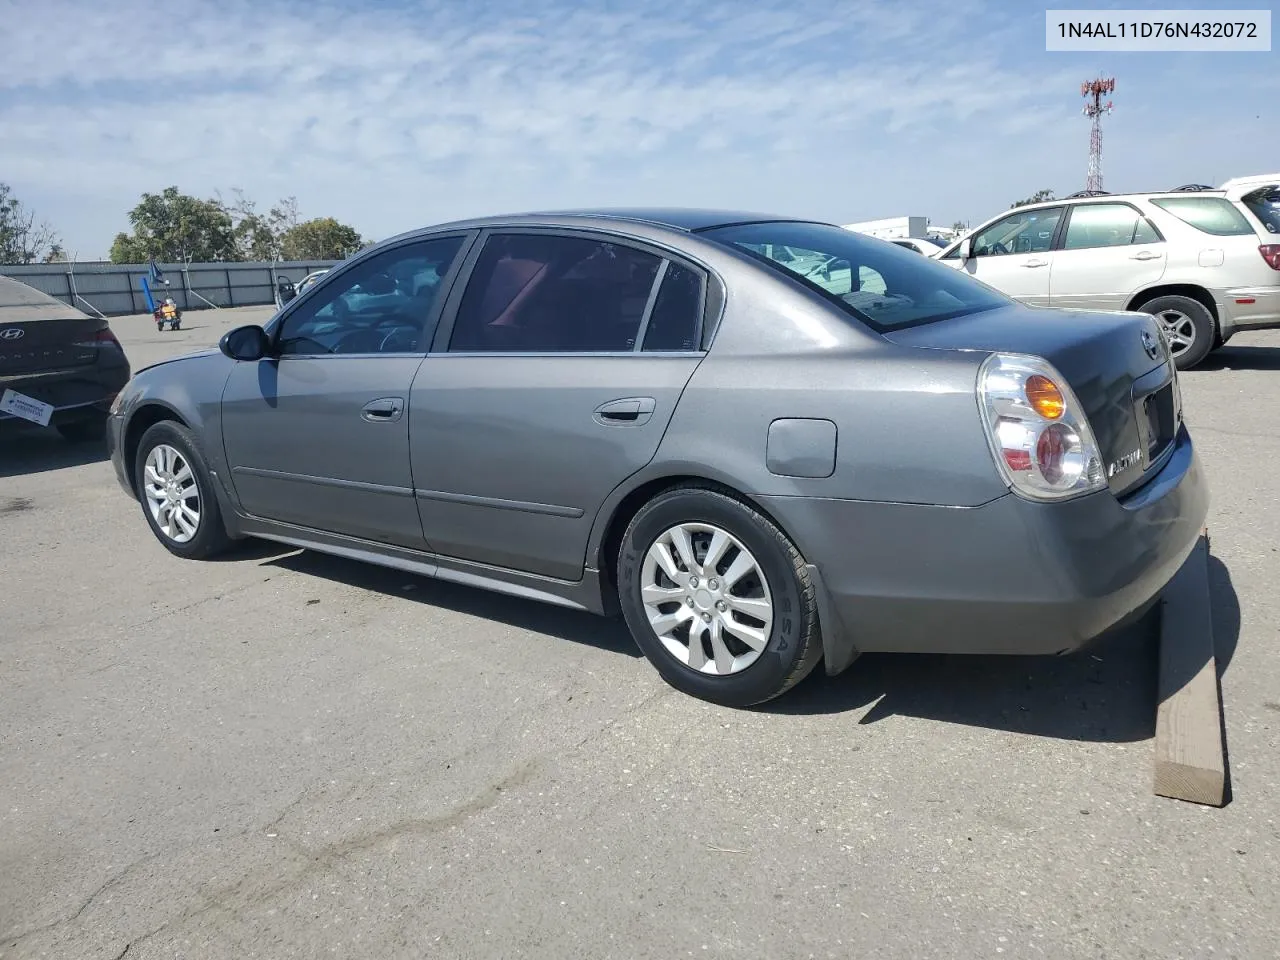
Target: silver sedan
<point x="765" y="442"/>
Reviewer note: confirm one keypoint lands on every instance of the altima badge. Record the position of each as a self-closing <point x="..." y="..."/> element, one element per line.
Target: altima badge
<point x="1125" y="462"/>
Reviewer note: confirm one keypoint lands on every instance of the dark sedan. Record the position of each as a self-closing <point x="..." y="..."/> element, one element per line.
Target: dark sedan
<point x="766" y="442"/>
<point x="59" y="367"/>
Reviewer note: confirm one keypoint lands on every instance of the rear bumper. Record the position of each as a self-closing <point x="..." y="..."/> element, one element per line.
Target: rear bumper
<point x="1259" y="311"/>
<point x="1008" y="577"/>
<point x="73" y="393"/>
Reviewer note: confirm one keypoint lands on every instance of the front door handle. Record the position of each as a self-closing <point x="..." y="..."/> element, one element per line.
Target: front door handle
<point x="1035" y="263"/>
<point x="384" y="410"/>
<point x="627" y="411"/>
<point x="1145" y="255"/>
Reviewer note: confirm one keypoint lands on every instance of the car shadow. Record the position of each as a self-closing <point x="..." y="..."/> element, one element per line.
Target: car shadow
<point x="573" y="625"/>
<point x="1106" y="692"/>
<point x="1242" y="358"/>
<point x="27" y="450"/>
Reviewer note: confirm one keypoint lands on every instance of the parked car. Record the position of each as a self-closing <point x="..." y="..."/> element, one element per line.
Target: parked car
<point x="929" y="246"/>
<point x="761" y="463"/>
<point x="1205" y="262"/>
<point x="59" y="367"/>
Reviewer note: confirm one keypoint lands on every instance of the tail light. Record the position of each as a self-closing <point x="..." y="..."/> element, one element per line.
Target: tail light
<point x="1271" y="253"/>
<point x="101" y="338"/>
<point x="1040" y="438"/>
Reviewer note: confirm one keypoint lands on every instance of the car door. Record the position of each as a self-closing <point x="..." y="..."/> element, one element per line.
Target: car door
<point x="554" y="382"/>
<point x="1015" y="254"/>
<point x="1108" y="252"/>
<point x="317" y="434"/>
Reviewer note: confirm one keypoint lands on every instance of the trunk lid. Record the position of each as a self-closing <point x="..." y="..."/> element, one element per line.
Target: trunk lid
<point x="1130" y="398"/>
<point x="39" y="333"/>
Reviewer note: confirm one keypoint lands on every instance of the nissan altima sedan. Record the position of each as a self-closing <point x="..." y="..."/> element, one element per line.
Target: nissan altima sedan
<point x="761" y="460"/>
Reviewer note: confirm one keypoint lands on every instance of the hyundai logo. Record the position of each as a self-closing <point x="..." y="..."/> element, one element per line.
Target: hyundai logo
<point x="12" y="333"/>
<point x="1149" y="344"/>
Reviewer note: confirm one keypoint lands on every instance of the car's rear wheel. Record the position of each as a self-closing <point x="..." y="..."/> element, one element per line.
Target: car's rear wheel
<point x="176" y="490"/>
<point x="718" y="598"/>
<point x="86" y="429"/>
<point x="1188" y="326"/>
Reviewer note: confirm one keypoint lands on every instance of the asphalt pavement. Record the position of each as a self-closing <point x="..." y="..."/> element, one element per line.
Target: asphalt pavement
<point x="287" y="755"/>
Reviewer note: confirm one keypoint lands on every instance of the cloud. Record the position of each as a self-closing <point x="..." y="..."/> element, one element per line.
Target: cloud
<point x="394" y="114"/>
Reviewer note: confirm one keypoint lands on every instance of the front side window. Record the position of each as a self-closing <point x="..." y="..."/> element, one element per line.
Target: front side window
<point x="1027" y="231"/>
<point x="380" y="305"/>
<point x="1106" y="225"/>
<point x="1213" y="215"/>
<point x="879" y="283"/>
<point x="543" y="293"/>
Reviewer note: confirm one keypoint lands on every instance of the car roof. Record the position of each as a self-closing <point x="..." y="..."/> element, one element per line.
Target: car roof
<point x="21" y="302"/>
<point x="684" y="219"/>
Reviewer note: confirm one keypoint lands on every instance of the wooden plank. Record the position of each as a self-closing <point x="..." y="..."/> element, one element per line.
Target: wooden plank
<point x="1189" y="760"/>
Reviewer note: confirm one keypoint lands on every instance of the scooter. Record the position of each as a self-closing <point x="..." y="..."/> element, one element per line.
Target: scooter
<point x="167" y="312"/>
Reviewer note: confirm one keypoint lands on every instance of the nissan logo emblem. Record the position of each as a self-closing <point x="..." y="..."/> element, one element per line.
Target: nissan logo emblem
<point x="1149" y="344"/>
<point x="12" y="333"/>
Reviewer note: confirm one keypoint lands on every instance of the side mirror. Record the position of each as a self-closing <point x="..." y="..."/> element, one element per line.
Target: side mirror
<point x="966" y="249"/>
<point x="286" y="290"/>
<point x="245" y="343"/>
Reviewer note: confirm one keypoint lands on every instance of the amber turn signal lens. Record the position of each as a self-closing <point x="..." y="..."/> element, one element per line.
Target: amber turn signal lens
<point x="1045" y="397"/>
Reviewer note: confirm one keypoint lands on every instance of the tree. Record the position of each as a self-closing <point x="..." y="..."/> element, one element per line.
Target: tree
<point x="175" y="228"/>
<point x="258" y="236"/>
<point x="22" y="239"/>
<point x="1040" y="196"/>
<point x="323" y="238"/>
<point x="959" y="226"/>
<point x="56" y="254"/>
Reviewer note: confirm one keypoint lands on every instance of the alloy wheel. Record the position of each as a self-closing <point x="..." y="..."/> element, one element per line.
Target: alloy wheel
<point x="1179" y="330"/>
<point x="173" y="496"/>
<point x="706" y="598"/>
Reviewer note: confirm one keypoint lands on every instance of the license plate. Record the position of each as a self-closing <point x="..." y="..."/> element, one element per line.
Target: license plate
<point x="28" y="408"/>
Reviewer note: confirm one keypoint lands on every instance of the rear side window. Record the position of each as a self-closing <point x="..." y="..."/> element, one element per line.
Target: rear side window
<point x="1212" y="215"/>
<point x="673" y="324"/>
<point x="1106" y="225"/>
<point x="532" y="293"/>
<point x="1265" y="205"/>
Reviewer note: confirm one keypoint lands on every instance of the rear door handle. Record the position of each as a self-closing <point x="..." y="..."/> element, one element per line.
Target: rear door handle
<point x="627" y="411"/>
<point x="1145" y="255"/>
<point x="384" y="410"/>
<point x="1035" y="263"/>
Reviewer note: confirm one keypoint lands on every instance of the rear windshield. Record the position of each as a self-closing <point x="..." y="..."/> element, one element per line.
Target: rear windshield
<point x="1265" y="205"/>
<point x="1213" y="215"/>
<point x="882" y="284"/>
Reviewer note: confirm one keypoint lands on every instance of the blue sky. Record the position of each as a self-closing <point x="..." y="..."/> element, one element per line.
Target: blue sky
<point x="391" y="115"/>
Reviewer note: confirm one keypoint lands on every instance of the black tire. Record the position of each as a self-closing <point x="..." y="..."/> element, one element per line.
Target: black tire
<point x="794" y="645"/>
<point x="1200" y="320"/>
<point x="89" y="429"/>
<point x="160" y="326"/>
<point x="210" y="537"/>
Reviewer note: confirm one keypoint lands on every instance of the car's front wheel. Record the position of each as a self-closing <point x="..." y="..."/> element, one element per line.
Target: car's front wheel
<point x="176" y="490"/>
<point x="718" y="598"/>
<point x="1188" y="326"/>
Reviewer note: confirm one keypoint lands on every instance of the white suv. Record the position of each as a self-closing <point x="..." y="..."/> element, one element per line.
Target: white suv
<point x="1206" y="262"/>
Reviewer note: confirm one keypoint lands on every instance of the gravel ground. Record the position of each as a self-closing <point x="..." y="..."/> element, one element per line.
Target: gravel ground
<point x="287" y="755"/>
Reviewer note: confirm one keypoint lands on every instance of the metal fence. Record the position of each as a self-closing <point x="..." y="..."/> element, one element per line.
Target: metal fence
<point x="115" y="289"/>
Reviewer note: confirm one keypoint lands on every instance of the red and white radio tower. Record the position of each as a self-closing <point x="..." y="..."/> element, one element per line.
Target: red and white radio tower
<point x="1094" y="108"/>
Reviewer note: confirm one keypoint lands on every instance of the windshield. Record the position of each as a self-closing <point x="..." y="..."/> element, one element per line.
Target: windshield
<point x="883" y="285"/>
<point x="1265" y="205"/>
